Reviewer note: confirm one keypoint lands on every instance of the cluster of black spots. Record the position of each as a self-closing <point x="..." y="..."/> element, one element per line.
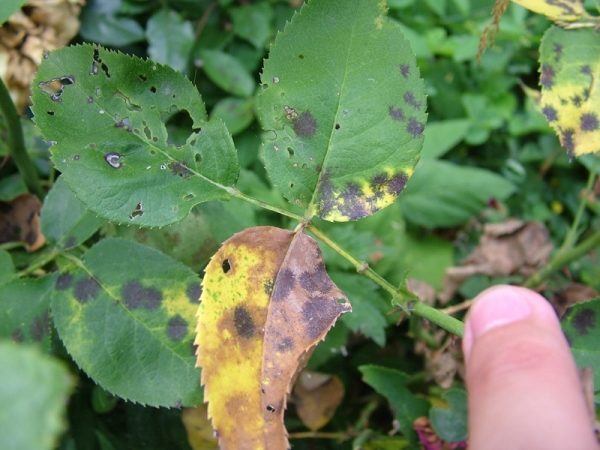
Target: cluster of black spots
<point x="285" y="345"/>
<point x="589" y="122"/>
<point x="316" y="281"/>
<point x="136" y="296"/>
<point x="414" y="127"/>
<point x="284" y="283"/>
<point x="64" y="281"/>
<point x="305" y="125"/>
<point x="550" y="113"/>
<point x="326" y="196"/>
<point x="317" y="314"/>
<point x="180" y="169"/>
<point x="409" y="99"/>
<point x="243" y="322"/>
<point x="396" y="113"/>
<point x="547" y="76"/>
<point x="568" y="142"/>
<point x="397" y="183"/>
<point x="137" y="211"/>
<point x="584" y="321"/>
<point x="177" y="328"/>
<point x="97" y="61"/>
<point x="268" y="287"/>
<point x="86" y="289"/>
<point x="352" y="206"/>
<point x="193" y="292"/>
<point x="405" y="70"/>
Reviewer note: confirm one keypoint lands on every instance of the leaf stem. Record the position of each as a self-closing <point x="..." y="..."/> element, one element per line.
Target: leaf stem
<point x="234" y="192"/>
<point x="571" y="236"/>
<point x="562" y="258"/>
<point x="39" y="263"/>
<point x="401" y="296"/>
<point x="16" y="143"/>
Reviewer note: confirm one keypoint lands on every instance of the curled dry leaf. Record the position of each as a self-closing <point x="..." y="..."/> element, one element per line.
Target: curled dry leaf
<point x="267" y="301"/>
<point x="42" y="26"/>
<point x="20" y="221"/>
<point x="571" y="294"/>
<point x="511" y="247"/>
<point x="317" y="396"/>
<point x="443" y="362"/>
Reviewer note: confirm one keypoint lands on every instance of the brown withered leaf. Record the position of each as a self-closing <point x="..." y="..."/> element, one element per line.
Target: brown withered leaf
<point x="571" y="294"/>
<point x="20" y="221"/>
<point x="199" y="431"/>
<point x="317" y="396"/>
<point x="511" y="247"/>
<point x="267" y="301"/>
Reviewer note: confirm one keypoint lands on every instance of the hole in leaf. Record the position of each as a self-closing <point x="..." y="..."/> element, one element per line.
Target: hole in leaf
<point x="56" y="86"/>
<point x="137" y="211"/>
<point x="189" y="196"/>
<point x="142" y="77"/>
<point x="226" y="266"/>
<point x="301" y="56"/>
<point x="198" y="158"/>
<point x="105" y="70"/>
<point x="153" y="89"/>
<point x="290" y="151"/>
<point x="50" y="113"/>
<point x="179" y="128"/>
<point x="337" y="126"/>
<point x="271" y="408"/>
<point x="113" y="159"/>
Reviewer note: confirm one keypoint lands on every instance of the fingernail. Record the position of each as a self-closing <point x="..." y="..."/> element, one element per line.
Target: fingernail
<point x="494" y="307"/>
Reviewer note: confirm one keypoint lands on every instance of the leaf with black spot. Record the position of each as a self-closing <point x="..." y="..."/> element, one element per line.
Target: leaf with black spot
<point x="581" y="325"/>
<point x="126" y="308"/>
<point x="569" y="76"/>
<point x="108" y="124"/>
<point x="344" y="110"/>
<point x="253" y="340"/>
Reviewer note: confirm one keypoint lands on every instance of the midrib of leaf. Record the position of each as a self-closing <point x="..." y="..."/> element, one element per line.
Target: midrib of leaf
<point x="81" y="264"/>
<point x="310" y="209"/>
<point x="158" y="149"/>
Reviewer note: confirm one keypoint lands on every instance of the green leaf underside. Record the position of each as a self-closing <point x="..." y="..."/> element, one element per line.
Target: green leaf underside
<point x="106" y="114"/>
<point x="450" y="421"/>
<point x="343" y="108"/>
<point x="581" y="325"/>
<point x="126" y="315"/>
<point x="33" y="395"/>
<point x="569" y="72"/>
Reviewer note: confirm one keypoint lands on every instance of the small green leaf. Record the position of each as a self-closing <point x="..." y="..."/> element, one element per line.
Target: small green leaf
<point x="170" y="39"/>
<point x="101" y="22"/>
<point x="107" y="114"/>
<point x="443" y="136"/>
<point x="7" y="268"/>
<point x="66" y="221"/>
<point x="569" y="72"/>
<point x="253" y="23"/>
<point x="581" y="325"/>
<point x="343" y="129"/>
<point x="227" y="73"/>
<point x="126" y="315"/>
<point x="450" y="422"/>
<point x="442" y="194"/>
<point x="8" y="8"/>
<point x="391" y="384"/>
<point x="25" y="310"/>
<point x="237" y="113"/>
<point x="33" y="393"/>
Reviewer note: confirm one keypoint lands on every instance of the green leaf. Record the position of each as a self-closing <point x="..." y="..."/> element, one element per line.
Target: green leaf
<point x="101" y="23"/>
<point x="126" y="315"/>
<point x="582" y="329"/>
<point x="107" y="113"/>
<point x="227" y="73"/>
<point x="7" y="268"/>
<point x="450" y="422"/>
<point x="343" y="129"/>
<point x="438" y="6"/>
<point x="443" y="136"/>
<point x="424" y="258"/>
<point x="8" y="8"/>
<point x="237" y="113"/>
<point x="25" y="310"/>
<point x="170" y="39"/>
<point x="391" y="384"/>
<point x="66" y="221"/>
<point x="33" y="393"/>
<point x="253" y="23"/>
<point x="442" y="194"/>
<point x="569" y="71"/>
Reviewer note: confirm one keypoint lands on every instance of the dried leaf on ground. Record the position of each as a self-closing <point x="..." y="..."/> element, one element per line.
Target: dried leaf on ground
<point x="317" y="396"/>
<point x="571" y="294"/>
<point x="42" y="26"/>
<point x="20" y="221"/>
<point x="199" y="431"/>
<point x="267" y="301"/>
<point x="510" y="247"/>
<point x="444" y="362"/>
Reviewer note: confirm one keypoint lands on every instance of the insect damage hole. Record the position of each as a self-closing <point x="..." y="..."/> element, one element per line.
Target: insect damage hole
<point x="226" y="266"/>
<point x="180" y="126"/>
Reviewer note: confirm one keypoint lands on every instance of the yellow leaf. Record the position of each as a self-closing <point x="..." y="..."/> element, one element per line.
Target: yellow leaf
<point x="556" y="10"/>
<point x="267" y="301"/>
<point x="198" y="428"/>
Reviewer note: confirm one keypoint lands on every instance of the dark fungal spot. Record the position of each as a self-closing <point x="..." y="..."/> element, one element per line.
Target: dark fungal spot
<point x="589" y="122"/>
<point x="177" y="328"/>
<point x="136" y="296"/>
<point x="193" y="292"/>
<point x="284" y="283"/>
<point x="567" y="141"/>
<point x="50" y="113"/>
<point x="550" y="113"/>
<point x="18" y="336"/>
<point x="318" y="314"/>
<point x="557" y="48"/>
<point x="86" y="289"/>
<point x="410" y="99"/>
<point x="180" y="169"/>
<point x="414" y="127"/>
<point x="584" y="321"/>
<point x="586" y="69"/>
<point x="326" y="197"/>
<point x="404" y="70"/>
<point x="576" y="100"/>
<point x="64" y="281"/>
<point x="316" y="281"/>
<point x="305" y="125"/>
<point x="547" y="76"/>
<point x="226" y="266"/>
<point x="396" y="113"/>
<point x="137" y="211"/>
<point x="397" y="183"/>
<point x="353" y="209"/>
<point x="244" y="325"/>
<point x="40" y="327"/>
<point x="285" y="345"/>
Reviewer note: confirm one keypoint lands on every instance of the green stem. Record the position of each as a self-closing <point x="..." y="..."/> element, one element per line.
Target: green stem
<point x="561" y="259"/>
<point x="234" y="192"/>
<point x="572" y="234"/>
<point x="16" y="144"/>
<point x="401" y="296"/>
<point x="39" y="263"/>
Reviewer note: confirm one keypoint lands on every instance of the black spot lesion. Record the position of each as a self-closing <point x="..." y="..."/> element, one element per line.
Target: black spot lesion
<point x="317" y="280"/>
<point x="40" y="327"/>
<point x="64" y="281"/>
<point x="589" y="122"/>
<point x="193" y="292"/>
<point x="244" y="324"/>
<point x="284" y="283"/>
<point x="584" y="321"/>
<point x="414" y="127"/>
<point x="226" y="265"/>
<point x="547" y="76"/>
<point x="396" y="113"/>
<point x="305" y="125"/>
<point x="318" y="314"/>
<point x="177" y="328"/>
<point x="136" y="296"/>
<point x="86" y="289"/>
<point x="568" y="141"/>
<point x="409" y="99"/>
<point x="550" y="113"/>
<point x="285" y="345"/>
<point x="180" y="169"/>
<point x="405" y="70"/>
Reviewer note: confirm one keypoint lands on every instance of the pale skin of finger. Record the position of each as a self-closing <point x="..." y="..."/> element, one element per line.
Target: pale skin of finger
<point x="524" y="390"/>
